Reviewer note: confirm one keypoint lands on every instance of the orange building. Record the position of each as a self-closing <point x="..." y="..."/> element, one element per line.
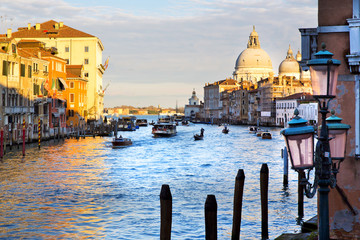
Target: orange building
<point x="76" y="95"/>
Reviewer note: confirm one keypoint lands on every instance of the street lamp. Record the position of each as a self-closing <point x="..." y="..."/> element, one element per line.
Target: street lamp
<point x="299" y="138"/>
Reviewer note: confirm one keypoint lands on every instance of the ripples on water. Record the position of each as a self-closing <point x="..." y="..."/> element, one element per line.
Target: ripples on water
<point x="85" y="189"/>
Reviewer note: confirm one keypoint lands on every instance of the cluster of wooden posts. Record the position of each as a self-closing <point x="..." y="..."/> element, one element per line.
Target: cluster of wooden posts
<point x="211" y="208"/>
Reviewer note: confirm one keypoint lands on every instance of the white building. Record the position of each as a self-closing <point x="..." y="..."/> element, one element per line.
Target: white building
<point x="193" y="108"/>
<point x="304" y="102"/>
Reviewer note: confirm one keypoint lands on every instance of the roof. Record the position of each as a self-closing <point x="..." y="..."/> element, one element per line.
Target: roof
<point x="74" y="66"/>
<point x="71" y="75"/>
<point x="298" y="96"/>
<point x="34" y="52"/>
<point x="229" y="81"/>
<point x="48" y="29"/>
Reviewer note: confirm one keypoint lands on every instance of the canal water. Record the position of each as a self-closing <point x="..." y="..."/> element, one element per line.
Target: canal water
<point x="77" y="189"/>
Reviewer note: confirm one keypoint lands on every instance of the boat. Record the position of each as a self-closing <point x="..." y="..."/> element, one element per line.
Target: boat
<point x="225" y="130"/>
<point x="141" y="122"/>
<point x="259" y="132"/>
<point x="266" y="135"/>
<point x="253" y="129"/>
<point x="199" y="136"/>
<point x="163" y="129"/>
<point x="127" y="123"/>
<point x="121" y="142"/>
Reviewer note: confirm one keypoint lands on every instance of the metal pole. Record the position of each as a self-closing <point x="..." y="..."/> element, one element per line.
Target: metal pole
<point x="23" y="138"/>
<point x="324" y="178"/>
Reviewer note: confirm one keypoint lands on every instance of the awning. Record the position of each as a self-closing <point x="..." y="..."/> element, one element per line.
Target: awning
<point x="56" y="115"/>
<point x="62" y="84"/>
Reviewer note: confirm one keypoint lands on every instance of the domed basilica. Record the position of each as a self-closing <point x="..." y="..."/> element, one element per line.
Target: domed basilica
<point x="253" y="64"/>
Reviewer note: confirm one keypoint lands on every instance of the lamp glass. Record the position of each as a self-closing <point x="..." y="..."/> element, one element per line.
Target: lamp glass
<point x="337" y="143"/>
<point x="301" y="150"/>
<point x="319" y="79"/>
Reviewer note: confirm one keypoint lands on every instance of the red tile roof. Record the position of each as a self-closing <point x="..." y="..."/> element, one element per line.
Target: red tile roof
<point x="47" y="30"/>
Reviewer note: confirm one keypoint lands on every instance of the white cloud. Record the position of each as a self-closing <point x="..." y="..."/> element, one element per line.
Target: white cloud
<point x="189" y="43"/>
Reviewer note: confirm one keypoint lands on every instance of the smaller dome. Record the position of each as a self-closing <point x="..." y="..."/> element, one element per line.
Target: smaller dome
<point x="289" y="66"/>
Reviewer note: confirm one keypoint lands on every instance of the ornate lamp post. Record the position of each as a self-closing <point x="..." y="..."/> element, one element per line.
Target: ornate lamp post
<point x="299" y="138"/>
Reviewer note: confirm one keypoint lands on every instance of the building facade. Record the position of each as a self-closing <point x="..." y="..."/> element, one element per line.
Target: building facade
<point x="77" y="48"/>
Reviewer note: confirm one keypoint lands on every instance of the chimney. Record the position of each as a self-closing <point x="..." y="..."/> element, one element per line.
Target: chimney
<point x="61" y="24"/>
<point x="29" y="26"/>
<point x="56" y="26"/>
<point x="9" y="33"/>
<point x="37" y="26"/>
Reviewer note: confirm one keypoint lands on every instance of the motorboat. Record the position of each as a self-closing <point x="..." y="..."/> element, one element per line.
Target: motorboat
<point x="163" y="129"/>
<point x="225" y="130"/>
<point x="266" y="135"/>
<point x="121" y="142"/>
<point x="199" y="136"/>
<point x="253" y="129"/>
<point x="141" y="122"/>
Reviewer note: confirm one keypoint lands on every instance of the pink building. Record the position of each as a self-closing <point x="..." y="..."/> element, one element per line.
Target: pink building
<point x="339" y="28"/>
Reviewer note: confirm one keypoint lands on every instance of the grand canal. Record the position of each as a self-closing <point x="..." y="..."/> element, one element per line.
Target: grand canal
<point x="77" y="189"/>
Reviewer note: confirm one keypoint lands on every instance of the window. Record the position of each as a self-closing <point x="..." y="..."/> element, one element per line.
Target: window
<point x="13" y="48"/>
<point x="3" y="97"/>
<point x="72" y="97"/>
<point x="67" y="61"/>
<point x="45" y="68"/>
<point x="22" y="73"/>
<point x="86" y="74"/>
<point x="86" y="48"/>
<point x="86" y="61"/>
<point x="29" y="71"/>
<point x="72" y="84"/>
<point x="5" y="68"/>
<point x="36" y="67"/>
<point x="67" y="49"/>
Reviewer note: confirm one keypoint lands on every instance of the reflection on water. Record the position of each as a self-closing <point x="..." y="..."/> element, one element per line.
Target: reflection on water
<point x="85" y="189"/>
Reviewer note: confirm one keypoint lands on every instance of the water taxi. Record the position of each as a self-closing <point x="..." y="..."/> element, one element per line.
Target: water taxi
<point x="141" y="122"/>
<point x="162" y="129"/>
<point x="121" y="142"/>
<point x="266" y="135"/>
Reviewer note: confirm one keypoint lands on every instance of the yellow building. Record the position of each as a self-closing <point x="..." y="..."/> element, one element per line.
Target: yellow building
<point x="77" y="48"/>
<point x="16" y="88"/>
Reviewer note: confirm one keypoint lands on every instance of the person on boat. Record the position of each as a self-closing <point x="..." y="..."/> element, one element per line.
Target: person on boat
<point x="202" y="132"/>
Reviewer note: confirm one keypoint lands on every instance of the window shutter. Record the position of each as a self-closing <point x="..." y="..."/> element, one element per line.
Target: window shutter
<point x="23" y="70"/>
<point x="5" y="68"/>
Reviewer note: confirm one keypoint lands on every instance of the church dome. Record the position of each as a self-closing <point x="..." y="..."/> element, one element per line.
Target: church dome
<point x="253" y="58"/>
<point x="289" y="66"/>
<point x="253" y="63"/>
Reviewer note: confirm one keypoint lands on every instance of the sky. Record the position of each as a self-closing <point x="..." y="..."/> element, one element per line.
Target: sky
<point x="160" y="50"/>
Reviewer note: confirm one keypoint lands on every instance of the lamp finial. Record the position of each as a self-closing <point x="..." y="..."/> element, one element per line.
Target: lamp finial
<point x="323" y="45"/>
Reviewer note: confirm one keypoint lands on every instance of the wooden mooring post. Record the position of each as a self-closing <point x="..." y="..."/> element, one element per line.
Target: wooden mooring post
<point x="238" y="197"/>
<point x="165" y="212"/>
<point x="286" y="166"/>
<point x="210" y="218"/>
<point x="264" y="186"/>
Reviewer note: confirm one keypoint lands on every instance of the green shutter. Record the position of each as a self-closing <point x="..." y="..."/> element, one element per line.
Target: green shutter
<point x="30" y="72"/>
<point x="5" y="68"/>
<point x="23" y="70"/>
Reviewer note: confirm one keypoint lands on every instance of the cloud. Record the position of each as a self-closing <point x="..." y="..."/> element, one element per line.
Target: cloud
<point x="188" y="42"/>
